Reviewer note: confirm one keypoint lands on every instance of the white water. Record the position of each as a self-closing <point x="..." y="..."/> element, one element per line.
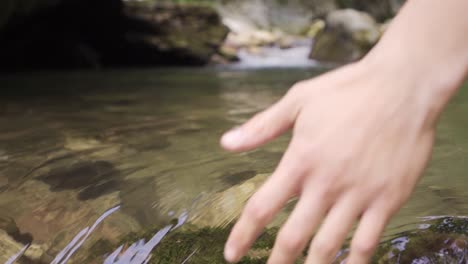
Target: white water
<point x="275" y="57"/>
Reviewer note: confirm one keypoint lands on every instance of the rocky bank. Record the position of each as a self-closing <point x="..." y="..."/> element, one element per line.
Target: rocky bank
<point x="110" y="33"/>
<point x="70" y="34"/>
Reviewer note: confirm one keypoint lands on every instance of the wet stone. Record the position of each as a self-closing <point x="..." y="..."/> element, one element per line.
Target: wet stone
<point x="8" y="247"/>
<point x="442" y="240"/>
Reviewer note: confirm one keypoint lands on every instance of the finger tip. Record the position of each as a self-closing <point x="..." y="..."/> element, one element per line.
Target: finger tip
<point x="230" y="254"/>
<point x="231" y="140"/>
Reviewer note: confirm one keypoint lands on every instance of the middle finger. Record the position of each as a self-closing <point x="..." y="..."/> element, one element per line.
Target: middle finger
<point x="299" y="227"/>
<point x="335" y="228"/>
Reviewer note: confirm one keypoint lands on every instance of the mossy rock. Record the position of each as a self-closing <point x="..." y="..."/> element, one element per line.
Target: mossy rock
<point x="443" y="240"/>
<point x="194" y="32"/>
<point x="200" y="246"/>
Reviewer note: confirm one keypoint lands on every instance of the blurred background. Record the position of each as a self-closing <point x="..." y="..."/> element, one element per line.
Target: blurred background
<point x="70" y="34"/>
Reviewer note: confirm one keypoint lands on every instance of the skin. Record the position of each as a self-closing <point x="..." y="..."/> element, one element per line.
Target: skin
<point x="362" y="137"/>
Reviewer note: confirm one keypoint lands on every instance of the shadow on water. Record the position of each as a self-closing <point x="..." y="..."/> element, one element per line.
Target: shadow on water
<point x="94" y="179"/>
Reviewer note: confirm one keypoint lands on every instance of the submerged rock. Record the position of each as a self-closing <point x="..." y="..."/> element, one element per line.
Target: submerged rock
<point x="348" y="36"/>
<point x="92" y="179"/>
<point x="223" y="207"/>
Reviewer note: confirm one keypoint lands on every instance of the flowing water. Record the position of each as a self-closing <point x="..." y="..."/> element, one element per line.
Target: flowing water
<point x="105" y="164"/>
<point x="296" y="56"/>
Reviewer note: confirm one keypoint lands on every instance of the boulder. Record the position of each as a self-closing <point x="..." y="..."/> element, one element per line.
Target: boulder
<point x="255" y="24"/>
<point x="226" y="54"/>
<point x="177" y="34"/>
<point x="292" y="17"/>
<point x="348" y="36"/>
<point x="315" y="28"/>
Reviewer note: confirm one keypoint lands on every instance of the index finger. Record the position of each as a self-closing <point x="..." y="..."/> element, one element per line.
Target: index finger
<point x="263" y="206"/>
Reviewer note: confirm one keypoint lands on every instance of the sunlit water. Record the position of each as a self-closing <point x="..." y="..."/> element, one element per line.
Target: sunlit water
<point x="107" y="167"/>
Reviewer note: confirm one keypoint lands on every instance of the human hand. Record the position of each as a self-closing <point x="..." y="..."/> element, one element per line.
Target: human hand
<point x="361" y="140"/>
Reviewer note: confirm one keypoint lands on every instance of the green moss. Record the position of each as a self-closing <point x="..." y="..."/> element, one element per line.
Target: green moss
<point x="451" y="225"/>
<point x="267" y="239"/>
<point x="205" y="245"/>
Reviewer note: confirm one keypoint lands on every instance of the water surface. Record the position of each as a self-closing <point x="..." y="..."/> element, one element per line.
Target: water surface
<point x="74" y="145"/>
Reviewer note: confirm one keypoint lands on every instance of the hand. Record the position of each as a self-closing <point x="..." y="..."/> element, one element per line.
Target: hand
<point x="361" y="140"/>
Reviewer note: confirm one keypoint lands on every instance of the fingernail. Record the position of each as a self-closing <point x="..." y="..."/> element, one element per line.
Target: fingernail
<point x="232" y="138"/>
<point x="230" y="254"/>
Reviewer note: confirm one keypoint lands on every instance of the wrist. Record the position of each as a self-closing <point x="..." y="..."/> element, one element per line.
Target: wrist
<point x="424" y="47"/>
<point x="430" y="84"/>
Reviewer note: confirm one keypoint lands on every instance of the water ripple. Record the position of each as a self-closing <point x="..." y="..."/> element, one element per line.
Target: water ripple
<point x="138" y="253"/>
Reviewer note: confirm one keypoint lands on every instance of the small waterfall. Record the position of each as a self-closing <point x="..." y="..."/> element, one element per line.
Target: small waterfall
<point x="259" y="28"/>
<point x="276" y="57"/>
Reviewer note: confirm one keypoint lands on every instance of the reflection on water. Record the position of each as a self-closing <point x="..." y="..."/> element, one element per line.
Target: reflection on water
<point x="74" y="145"/>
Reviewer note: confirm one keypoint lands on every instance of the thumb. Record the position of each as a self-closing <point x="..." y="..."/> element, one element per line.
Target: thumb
<point x="263" y="127"/>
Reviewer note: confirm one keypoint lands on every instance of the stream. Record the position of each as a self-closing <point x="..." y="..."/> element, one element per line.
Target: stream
<point x="121" y="166"/>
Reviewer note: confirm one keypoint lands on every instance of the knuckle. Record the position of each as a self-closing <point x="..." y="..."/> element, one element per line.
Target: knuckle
<point x="389" y="203"/>
<point x="296" y="92"/>
<point x="323" y="247"/>
<point x="330" y="186"/>
<point x="363" y="247"/>
<point x="297" y="87"/>
<point x="290" y="243"/>
<point x="257" y="212"/>
<point x="327" y="192"/>
<point x="304" y="155"/>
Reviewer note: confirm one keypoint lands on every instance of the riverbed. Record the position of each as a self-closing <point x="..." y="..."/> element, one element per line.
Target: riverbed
<point x="145" y="142"/>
